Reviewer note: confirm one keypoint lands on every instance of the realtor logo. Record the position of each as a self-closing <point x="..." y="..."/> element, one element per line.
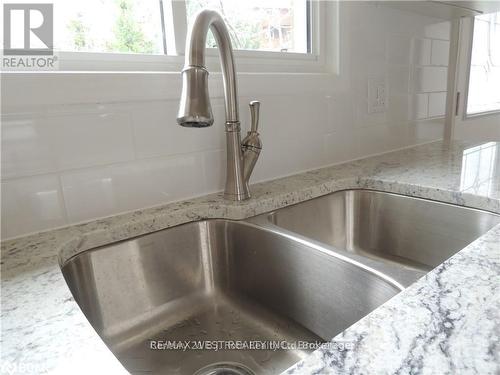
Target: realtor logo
<point x="28" y="29"/>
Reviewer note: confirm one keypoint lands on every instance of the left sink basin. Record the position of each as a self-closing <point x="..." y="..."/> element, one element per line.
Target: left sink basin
<point x="219" y="284"/>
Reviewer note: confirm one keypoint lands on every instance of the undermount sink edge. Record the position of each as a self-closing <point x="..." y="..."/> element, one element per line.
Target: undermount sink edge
<point x="215" y="280"/>
<point x="395" y="278"/>
<point x="401" y="236"/>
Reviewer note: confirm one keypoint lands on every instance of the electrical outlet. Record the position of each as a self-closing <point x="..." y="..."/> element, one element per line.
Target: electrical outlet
<point x="377" y="95"/>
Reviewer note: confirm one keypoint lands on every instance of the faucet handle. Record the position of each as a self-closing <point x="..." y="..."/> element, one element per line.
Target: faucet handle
<point x="254" y="112"/>
<point x="251" y="144"/>
<point x="252" y="139"/>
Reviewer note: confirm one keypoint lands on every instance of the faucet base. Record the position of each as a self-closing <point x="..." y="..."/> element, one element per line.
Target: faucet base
<point x="236" y="186"/>
<point x="236" y="197"/>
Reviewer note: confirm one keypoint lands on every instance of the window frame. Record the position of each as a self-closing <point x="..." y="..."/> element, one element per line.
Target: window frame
<point x="467" y="31"/>
<point x="247" y="60"/>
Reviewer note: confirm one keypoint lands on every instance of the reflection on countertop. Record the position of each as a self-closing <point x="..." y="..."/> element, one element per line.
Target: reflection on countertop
<point x="480" y="169"/>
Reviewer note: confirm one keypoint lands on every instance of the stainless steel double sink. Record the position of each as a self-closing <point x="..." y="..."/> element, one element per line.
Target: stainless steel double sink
<point x="256" y="296"/>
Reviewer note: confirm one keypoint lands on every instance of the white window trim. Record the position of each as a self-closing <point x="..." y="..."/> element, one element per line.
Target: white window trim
<point x="465" y="60"/>
<point x="247" y="61"/>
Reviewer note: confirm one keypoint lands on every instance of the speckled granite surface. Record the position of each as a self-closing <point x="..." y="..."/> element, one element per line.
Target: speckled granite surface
<point x="447" y="322"/>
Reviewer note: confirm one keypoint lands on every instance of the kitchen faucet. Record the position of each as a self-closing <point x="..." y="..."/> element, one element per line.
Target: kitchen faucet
<point x="195" y="109"/>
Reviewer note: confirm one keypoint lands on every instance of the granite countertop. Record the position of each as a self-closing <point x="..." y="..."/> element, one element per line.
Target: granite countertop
<point x="447" y="322"/>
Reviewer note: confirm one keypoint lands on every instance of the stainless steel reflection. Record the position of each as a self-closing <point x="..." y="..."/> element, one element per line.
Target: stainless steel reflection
<point x="195" y="109"/>
<point x="414" y="233"/>
<point x="219" y="280"/>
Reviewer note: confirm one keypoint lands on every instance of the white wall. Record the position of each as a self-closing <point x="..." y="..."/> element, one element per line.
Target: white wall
<point x="77" y="146"/>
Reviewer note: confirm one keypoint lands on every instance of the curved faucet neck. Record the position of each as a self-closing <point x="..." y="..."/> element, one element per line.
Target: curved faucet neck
<point x="195" y="56"/>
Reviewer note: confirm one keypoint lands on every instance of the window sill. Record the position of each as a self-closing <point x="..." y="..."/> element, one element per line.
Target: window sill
<point x="474" y="116"/>
<point x="246" y="61"/>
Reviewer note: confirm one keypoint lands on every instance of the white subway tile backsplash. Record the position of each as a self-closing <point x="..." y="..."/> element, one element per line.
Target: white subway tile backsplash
<point x="40" y="143"/>
<point x="373" y="139"/>
<point x="438" y="30"/>
<point x="430" y="79"/>
<point x="214" y="170"/>
<point x="31" y="204"/>
<point x="157" y="134"/>
<point x="287" y="156"/>
<point x="398" y="49"/>
<point x="290" y="116"/>
<point x="437" y="104"/>
<point x="341" y="146"/>
<point x="398" y="79"/>
<point x="439" y="52"/>
<point x="421" y="53"/>
<point x="340" y="107"/>
<point x="96" y="192"/>
<point x="103" y="191"/>
<point x="365" y="119"/>
<point x="26" y="146"/>
<point x="86" y="139"/>
<point x="398" y="109"/>
<point x="419" y="106"/>
<point x="367" y="49"/>
<point x="426" y="131"/>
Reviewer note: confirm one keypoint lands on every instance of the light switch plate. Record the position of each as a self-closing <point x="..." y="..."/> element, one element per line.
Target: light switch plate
<point x="377" y="95"/>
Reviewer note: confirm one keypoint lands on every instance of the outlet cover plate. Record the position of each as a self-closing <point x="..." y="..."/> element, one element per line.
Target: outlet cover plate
<point x="377" y="95"/>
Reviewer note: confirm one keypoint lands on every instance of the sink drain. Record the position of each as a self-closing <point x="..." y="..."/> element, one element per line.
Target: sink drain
<point x="225" y="368"/>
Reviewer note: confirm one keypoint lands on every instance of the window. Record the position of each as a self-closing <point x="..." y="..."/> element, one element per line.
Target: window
<point x="148" y="26"/>
<point x="122" y="26"/>
<point x="261" y="25"/>
<point x="484" y="76"/>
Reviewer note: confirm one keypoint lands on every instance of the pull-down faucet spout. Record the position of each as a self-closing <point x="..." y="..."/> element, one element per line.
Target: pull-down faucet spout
<point x="195" y="109"/>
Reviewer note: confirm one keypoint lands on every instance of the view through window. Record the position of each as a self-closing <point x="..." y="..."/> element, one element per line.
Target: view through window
<point x="484" y="79"/>
<point x="129" y="26"/>
<point x="279" y="25"/>
<point x="135" y="26"/>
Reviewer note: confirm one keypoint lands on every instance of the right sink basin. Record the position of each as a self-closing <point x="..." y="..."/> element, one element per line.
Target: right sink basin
<point x="416" y="234"/>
